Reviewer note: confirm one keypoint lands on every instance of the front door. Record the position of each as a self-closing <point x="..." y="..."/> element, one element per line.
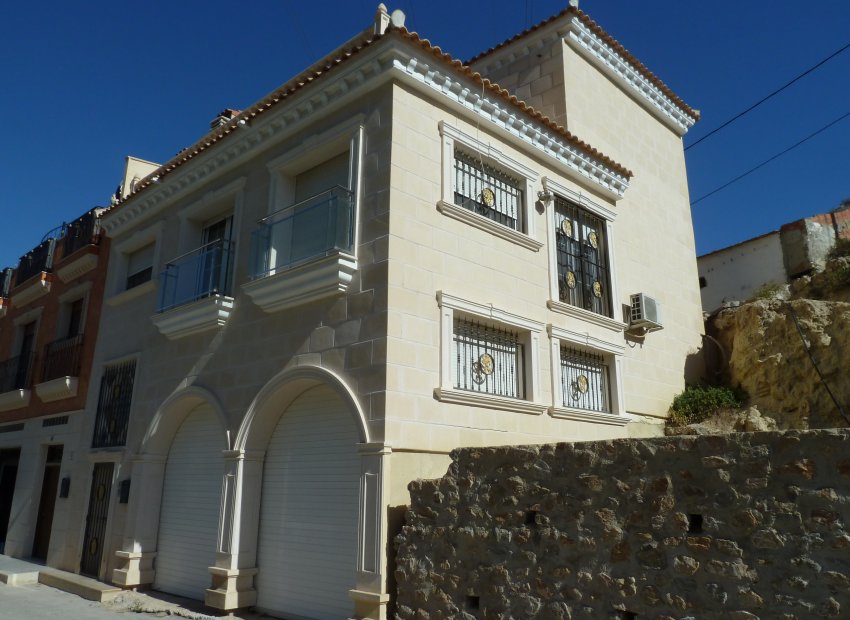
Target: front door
<point x="93" y="542"/>
<point x="49" y="486"/>
<point x="8" y="475"/>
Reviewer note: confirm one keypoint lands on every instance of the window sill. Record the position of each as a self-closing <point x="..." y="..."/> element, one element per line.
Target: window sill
<point x="488" y="401"/>
<point x="198" y="316"/>
<point x="582" y="415"/>
<point x="585" y="315"/>
<point x="132" y="293"/>
<point x="482" y="223"/>
<point x="325" y="277"/>
<point x="14" y="399"/>
<point x="57" y="389"/>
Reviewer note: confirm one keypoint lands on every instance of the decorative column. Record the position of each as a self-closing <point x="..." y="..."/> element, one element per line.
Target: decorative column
<point x="370" y="593"/>
<point x="239" y="519"/>
<point x="140" y="532"/>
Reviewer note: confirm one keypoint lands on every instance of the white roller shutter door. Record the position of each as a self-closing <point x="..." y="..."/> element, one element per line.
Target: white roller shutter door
<point x="191" y="498"/>
<point x="308" y="516"/>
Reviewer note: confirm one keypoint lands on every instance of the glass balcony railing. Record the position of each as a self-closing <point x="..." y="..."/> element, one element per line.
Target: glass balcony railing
<point x="196" y="275"/>
<point x="313" y="228"/>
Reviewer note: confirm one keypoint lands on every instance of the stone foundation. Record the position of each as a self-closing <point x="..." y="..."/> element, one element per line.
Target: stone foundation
<point x="741" y="526"/>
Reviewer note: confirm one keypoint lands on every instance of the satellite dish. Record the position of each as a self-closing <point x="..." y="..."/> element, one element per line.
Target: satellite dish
<point x="397" y="18"/>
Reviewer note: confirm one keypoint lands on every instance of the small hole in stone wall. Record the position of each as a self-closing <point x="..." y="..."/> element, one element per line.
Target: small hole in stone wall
<point x="530" y="517"/>
<point x="694" y="524"/>
<point x="473" y="602"/>
<point x="628" y="615"/>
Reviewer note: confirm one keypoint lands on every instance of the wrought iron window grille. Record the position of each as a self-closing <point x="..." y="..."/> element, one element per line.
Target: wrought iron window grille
<point x="487" y="359"/>
<point x="584" y="381"/>
<point x="487" y="191"/>
<point x="113" y="406"/>
<point x="583" y="271"/>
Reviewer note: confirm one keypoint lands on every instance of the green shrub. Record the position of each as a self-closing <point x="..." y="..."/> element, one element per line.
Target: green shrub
<point x="697" y="403"/>
<point x="768" y="290"/>
<point x="837" y="278"/>
<point x="841" y="248"/>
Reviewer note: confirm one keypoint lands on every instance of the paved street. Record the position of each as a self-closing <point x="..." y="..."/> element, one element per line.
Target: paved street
<point x="38" y="602"/>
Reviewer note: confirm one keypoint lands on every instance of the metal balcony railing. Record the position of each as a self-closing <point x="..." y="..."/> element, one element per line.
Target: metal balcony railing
<point x="35" y="261"/>
<point x="6" y="282"/>
<point x="16" y="373"/>
<point x="62" y="358"/>
<point x="309" y="229"/>
<point x="81" y="232"/>
<point x="196" y="274"/>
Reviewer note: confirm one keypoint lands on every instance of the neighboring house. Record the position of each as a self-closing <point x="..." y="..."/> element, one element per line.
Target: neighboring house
<point x="384" y="259"/>
<point x="735" y="273"/>
<point x="49" y="317"/>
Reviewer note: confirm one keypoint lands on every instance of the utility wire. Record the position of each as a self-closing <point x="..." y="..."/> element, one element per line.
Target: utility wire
<point x="776" y="92"/>
<point x="767" y="161"/>
<point x="815" y="364"/>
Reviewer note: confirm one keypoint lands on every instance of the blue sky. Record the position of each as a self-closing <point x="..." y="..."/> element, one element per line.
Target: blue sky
<point x="85" y="84"/>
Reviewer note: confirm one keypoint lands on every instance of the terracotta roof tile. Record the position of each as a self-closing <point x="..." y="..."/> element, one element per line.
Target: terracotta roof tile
<point x="326" y="65"/>
<point x="611" y="41"/>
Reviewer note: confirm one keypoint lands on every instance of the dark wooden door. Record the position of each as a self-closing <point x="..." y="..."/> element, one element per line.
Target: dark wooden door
<point x="49" y="486"/>
<point x="8" y="475"/>
<point x="93" y="542"/>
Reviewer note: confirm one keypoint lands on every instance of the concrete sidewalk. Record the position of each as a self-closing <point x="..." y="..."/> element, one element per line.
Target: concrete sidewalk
<point x="75" y="597"/>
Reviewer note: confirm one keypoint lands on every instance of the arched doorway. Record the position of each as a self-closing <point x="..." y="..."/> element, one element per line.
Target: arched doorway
<point x="307" y="548"/>
<point x="191" y="502"/>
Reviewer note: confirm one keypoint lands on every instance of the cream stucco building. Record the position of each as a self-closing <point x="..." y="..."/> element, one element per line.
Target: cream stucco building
<point x="386" y="258"/>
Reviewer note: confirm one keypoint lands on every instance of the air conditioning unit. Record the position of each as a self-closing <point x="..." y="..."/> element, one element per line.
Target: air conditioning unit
<point x="645" y="313"/>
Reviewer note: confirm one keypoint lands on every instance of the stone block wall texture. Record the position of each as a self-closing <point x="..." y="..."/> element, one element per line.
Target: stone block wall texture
<point x="741" y="526"/>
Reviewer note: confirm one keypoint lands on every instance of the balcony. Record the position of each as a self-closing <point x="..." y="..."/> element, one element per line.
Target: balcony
<point x="84" y="232"/>
<point x="15" y="380"/>
<point x="5" y="287"/>
<point x="32" y="279"/>
<point x="194" y="294"/>
<point x="60" y="370"/>
<point x="304" y="252"/>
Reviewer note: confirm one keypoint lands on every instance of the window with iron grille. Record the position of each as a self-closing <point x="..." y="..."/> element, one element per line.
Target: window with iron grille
<point x="487" y="359"/>
<point x="584" y="381"/>
<point x="113" y="405"/>
<point x="583" y="274"/>
<point x="487" y="191"/>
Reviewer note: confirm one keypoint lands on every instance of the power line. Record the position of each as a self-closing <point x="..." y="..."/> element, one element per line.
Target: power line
<point x="776" y="92"/>
<point x="767" y="161"/>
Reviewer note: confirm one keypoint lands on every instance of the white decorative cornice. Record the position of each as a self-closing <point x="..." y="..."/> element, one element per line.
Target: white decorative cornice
<point x="333" y="92"/>
<point x="574" y="162"/>
<point x="606" y="58"/>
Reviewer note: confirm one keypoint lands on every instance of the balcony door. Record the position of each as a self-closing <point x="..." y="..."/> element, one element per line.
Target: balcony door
<point x="25" y="355"/>
<point x="215" y="256"/>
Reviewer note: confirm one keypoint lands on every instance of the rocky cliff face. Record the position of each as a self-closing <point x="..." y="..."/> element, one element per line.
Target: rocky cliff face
<point x="767" y="358"/>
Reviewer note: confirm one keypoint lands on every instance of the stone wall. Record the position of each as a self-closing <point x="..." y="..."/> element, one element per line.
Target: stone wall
<point x="741" y="526"/>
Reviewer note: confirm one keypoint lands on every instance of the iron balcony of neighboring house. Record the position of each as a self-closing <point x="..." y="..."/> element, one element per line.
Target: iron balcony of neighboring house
<point x="6" y="282"/>
<point x="16" y="373"/>
<point x="201" y="273"/>
<point x="36" y="261"/>
<point x="313" y="228"/>
<point x="62" y="358"/>
<point x="82" y="232"/>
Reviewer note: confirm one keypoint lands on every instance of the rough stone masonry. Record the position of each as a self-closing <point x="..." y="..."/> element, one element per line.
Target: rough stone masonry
<point x="740" y="526"/>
